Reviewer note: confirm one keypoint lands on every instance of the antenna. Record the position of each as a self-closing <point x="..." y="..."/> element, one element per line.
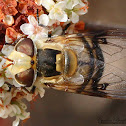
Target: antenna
<point x="7" y="58"/>
<point x="7" y="65"/>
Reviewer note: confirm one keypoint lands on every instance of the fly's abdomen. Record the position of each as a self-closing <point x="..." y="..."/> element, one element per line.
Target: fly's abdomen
<point x="87" y="63"/>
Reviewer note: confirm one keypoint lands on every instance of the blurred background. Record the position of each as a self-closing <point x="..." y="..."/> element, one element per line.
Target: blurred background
<point x="59" y="108"/>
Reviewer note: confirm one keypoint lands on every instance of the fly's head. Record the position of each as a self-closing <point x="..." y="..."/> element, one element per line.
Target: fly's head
<point x="23" y="62"/>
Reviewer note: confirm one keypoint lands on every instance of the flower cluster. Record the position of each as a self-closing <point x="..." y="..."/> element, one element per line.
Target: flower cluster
<point x="57" y="15"/>
<point x="35" y="19"/>
<point x="11" y="103"/>
<point x="63" y="10"/>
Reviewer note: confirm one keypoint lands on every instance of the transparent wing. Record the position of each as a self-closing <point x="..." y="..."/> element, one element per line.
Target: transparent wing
<point x="115" y="66"/>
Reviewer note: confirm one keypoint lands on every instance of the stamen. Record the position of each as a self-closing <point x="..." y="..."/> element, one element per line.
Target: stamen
<point x="84" y="8"/>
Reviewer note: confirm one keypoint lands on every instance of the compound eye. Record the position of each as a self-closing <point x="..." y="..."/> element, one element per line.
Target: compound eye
<point x="25" y="46"/>
<point x="26" y="77"/>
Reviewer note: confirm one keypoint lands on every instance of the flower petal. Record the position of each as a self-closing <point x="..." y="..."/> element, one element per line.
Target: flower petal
<point x="32" y="20"/>
<point x="16" y="122"/>
<point x="41" y="92"/>
<point x="62" y="17"/>
<point x="7" y="49"/>
<point x="48" y="4"/>
<point x="27" y="29"/>
<point x="44" y="19"/>
<point x="60" y="5"/>
<point x="24" y="115"/>
<point x="74" y="17"/>
<point x="71" y="3"/>
<point x="82" y="9"/>
<point x="51" y="14"/>
<point x="8" y="111"/>
<point x="18" y="110"/>
<point x="82" y="12"/>
<point x="2" y="111"/>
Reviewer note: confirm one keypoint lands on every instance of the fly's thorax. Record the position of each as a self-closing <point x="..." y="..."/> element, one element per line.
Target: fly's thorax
<point x="56" y="64"/>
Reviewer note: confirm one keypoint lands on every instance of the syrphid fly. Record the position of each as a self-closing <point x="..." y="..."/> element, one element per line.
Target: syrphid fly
<point x="90" y="63"/>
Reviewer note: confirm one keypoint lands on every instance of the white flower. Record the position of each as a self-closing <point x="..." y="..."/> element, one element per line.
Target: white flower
<point x="32" y="28"/>
<point x="58" y="13"/>
<point x="56" y="10"/>
<point x="60" y="10"/>
<point x="76" y="8"/>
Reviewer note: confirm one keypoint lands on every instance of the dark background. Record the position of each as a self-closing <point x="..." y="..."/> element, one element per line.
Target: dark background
<point x="58" y="108"/>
